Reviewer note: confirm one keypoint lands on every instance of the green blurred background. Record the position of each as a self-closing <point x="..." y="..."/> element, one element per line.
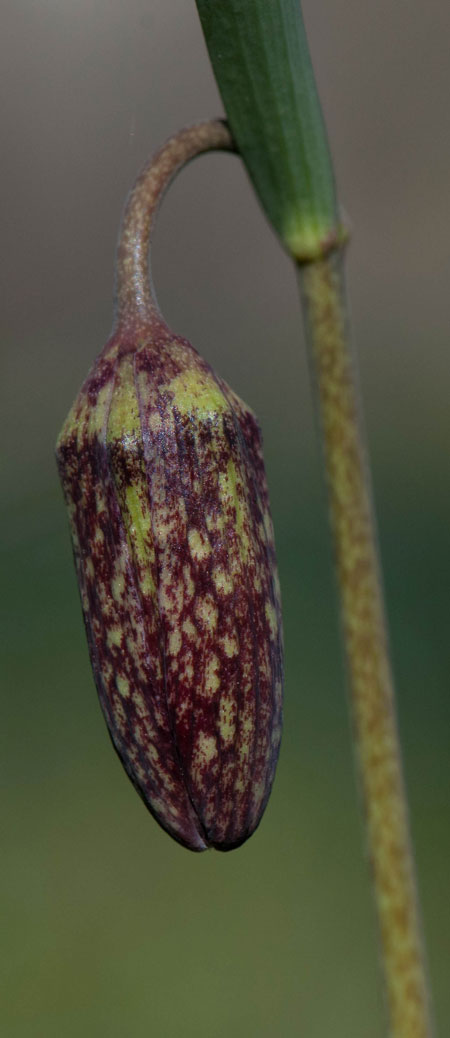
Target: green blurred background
<point x="109" y="928"/>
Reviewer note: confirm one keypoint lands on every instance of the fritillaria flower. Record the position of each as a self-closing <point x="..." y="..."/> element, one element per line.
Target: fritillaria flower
<point x="163" y="477"/>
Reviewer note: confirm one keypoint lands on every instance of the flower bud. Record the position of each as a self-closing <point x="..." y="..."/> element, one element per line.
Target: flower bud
<point x="163" y="476"/>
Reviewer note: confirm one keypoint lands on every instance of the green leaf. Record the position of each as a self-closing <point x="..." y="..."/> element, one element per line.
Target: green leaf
<point x="259" y="53"/>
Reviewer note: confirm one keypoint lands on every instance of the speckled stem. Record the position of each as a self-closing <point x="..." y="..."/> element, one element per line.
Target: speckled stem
<point x="135" y="301"/>
<point x="364" y="627"/>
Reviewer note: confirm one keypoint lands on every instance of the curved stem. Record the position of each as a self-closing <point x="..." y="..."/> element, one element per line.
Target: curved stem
<point x="135" y="300"/>
<point x="364" y="627"/>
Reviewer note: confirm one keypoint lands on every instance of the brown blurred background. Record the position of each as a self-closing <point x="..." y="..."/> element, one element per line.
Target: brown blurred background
<point x="109" y="928"/>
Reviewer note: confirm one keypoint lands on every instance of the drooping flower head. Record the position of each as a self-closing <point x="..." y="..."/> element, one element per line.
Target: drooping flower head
<point x="163" y="476"/>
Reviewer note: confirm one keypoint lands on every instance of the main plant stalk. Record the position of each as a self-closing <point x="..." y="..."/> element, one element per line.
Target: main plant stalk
<point x="366" y="644"/>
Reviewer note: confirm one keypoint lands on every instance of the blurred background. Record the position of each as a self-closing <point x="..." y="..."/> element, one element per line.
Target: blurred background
<point x="110" y="928"/>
